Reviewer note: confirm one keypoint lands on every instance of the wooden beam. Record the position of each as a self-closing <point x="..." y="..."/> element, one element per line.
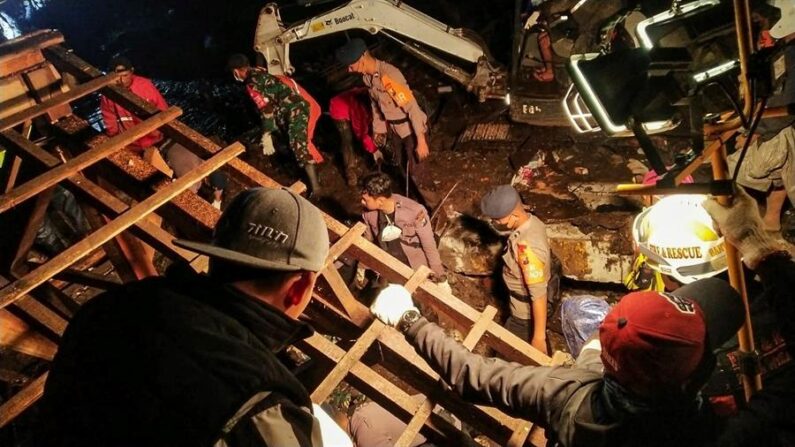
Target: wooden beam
<point x="375" y="386"/>
<point x="13" y="172"/>
<point x="22" y="400"/>
<point x="18" y="288"/>
<point x="30" y="228"/>
<point x="357" y="312"/>
<point x="56" y="101"/>
<point x="344" y="242"/>
<point x="417" y="278"/>
<point x="98" y="197"/>
<point x="42" y="314"/>
<point x="90" y="279"/>
<point x="18" y="336"/>
<point x="425" y="410"/>
<point x="25" y="51"/>
<point x="347" y="361"/>
<point x="86" y="159"/>
<point x="399" y="357"/>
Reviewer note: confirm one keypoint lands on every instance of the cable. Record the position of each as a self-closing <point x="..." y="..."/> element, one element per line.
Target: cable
<point x="751" y="131"/>
<point x="732" y="100"/>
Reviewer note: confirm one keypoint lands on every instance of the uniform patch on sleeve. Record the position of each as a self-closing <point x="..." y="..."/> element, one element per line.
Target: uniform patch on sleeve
<point x="260" y="101"/>
<point x="399" y="93"/>
<point x="532" y="267"/>
<point x="422" y="219"/>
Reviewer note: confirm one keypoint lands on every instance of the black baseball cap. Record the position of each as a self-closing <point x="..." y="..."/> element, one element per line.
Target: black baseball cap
<point x="236" y="61"/>
<point x="500" y="201"/>
<point x="120" y="61"/>
<point x="351" y="51"/>
<point x="272" y="229"/>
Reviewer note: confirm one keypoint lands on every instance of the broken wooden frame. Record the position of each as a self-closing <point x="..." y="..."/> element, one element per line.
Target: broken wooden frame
<point x="375" y="342"/>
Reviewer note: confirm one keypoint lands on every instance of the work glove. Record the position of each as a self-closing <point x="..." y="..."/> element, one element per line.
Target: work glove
<point x="378" y="157"/>
<point x="267" y="144"/>
<point x="741" y="224"/>
<point x="379" y="139"/>
<point x="391" y="303"/>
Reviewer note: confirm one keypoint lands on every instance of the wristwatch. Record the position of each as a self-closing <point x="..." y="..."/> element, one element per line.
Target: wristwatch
<point x="408" y="319"/>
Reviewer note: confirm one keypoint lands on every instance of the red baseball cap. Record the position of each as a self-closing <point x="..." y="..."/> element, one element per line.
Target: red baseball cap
<point x="652" y="342"/>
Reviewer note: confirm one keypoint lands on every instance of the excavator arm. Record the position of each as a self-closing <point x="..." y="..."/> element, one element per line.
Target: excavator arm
<point x="395" y="20"/>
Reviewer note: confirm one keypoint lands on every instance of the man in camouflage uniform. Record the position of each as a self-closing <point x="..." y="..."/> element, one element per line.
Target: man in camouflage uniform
<point x="395" y="109"/>
<point x="284" y="106"/>
<point x="528" y="269"/>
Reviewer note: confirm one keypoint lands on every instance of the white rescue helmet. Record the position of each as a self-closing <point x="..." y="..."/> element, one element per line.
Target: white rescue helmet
<point x="679" y="239"/>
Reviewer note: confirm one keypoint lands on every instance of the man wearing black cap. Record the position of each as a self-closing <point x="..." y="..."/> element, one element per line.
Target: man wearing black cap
<point x="638" y="383"/>
<point x="394" y="106"/>
<point x="527" y="268"/>
<point x="189" y="359"/>
<point x="153" y="147"/>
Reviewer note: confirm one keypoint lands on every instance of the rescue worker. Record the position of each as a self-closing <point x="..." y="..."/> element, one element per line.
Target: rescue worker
<point x="352" y="116"/>
<point x="191" y="359"/>
<point x="769" y="163"/>
<point x="394" y="106"/>
<point x="370" y="425"/>
<point x="670" y="232"/>
<point x="638" y="383"/>
<point x="400" y="226"/>
<point x="527" y="264"/>
<point x="153" y="147"/>
<point x="285" y="107"/>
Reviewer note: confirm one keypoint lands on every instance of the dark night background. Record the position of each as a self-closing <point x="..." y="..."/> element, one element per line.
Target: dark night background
<point x="183" y="45"/>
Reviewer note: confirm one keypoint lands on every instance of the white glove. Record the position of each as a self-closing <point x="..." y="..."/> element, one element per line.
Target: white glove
<point x="267" y="144"/>
<point x="391" y="303"/>
<point x="742" y="226"/>
<point x="217" y="204"/>
<point x="378" y="156"/>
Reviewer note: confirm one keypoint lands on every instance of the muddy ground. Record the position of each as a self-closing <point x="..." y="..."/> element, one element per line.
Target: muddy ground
<point x="465" y="163"/>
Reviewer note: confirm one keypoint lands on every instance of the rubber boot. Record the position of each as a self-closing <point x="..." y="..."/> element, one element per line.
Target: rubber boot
<point x="346" y="148"/>
<point x="311" y="175"/>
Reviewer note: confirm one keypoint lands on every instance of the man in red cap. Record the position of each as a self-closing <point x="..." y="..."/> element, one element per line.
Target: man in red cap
<point x="638" y="383"/>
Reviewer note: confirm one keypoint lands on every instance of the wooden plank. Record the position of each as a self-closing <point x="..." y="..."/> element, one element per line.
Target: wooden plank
<point x="90" y="279"/>
<point x="13" y="171"/>
<point x="357" y="312"/>
<point x="519" y="436"/>
<point x="22" y="400"/>
<point x="97" y="196"/>
<point x="343" y="243"/>
<point x="18" y="336"/>
<point x="30" y="229"/>
<point x="417" y="278"/>
<point x="480" y="327"/>
<point x="38" y="40"/>
<point x="25" y="51"/>
<point x="347" y="361"/>
<point x="397" y="355"/>
<point x="375" y="386"/>
<point x="18" y="288"/>
<point x="42" y="314"/>
<point x="86" y="159"/>
<point x="58" y="100"/>
<point x="425" y="410"/>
